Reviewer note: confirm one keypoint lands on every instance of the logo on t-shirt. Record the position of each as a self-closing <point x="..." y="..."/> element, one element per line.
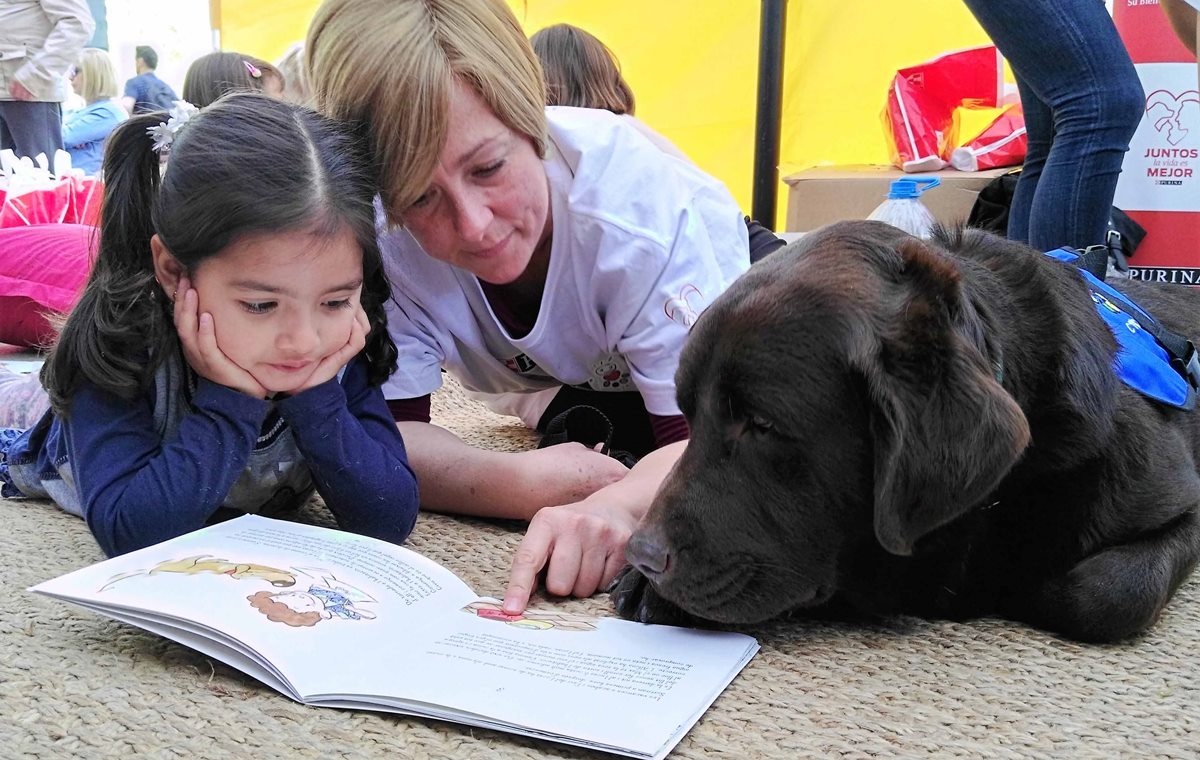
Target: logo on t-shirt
<point x="522" y="365"/>
<point x="610" y="373"/>
<point x="684" y="308"/>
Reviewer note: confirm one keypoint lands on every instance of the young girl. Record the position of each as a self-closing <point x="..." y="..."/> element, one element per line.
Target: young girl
<point x="216" y="74"/>
<point x="227" y="351"/>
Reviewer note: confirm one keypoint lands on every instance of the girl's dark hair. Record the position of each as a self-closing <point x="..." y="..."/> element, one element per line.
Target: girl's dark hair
<point x="248" y="164"/>
<point x="216" y="74"/>
<point x="580" y="70"/>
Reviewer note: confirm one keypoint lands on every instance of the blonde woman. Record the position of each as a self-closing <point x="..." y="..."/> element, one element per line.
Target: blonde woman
<point x="86" y="131"/>
<point x="549" y="258"/>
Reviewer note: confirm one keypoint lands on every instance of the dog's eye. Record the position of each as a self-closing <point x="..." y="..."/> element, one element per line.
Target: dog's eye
<point x="743" y="418"/>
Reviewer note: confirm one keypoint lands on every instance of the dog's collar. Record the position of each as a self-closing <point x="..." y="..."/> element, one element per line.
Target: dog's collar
<point x="990" y="349"/>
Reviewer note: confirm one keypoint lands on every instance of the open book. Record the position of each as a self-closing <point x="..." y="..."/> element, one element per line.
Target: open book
<point x="339" y="620"/>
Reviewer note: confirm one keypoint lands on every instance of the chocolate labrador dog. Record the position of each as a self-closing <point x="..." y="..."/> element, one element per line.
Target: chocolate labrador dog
<point x="931" y="428"/>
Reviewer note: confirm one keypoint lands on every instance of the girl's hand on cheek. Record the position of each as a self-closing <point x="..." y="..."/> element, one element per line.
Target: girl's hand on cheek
<point x="328" y="367"/>
<point x="198" y="337"/>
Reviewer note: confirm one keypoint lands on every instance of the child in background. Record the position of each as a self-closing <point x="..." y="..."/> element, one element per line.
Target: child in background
<point x="582" y="72"/>
<point x="216" y="74"/>
<point x="227" y="352"/>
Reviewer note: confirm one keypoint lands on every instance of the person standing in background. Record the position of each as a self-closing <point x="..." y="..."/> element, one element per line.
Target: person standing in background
<point x="39" y="41"/>
<point x="86" y="131"/>
<point x="1083" y="101"/>
<point x="145" y="92"/>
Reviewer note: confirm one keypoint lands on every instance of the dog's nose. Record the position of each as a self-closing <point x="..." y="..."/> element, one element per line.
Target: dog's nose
<point x="647" y="551"/>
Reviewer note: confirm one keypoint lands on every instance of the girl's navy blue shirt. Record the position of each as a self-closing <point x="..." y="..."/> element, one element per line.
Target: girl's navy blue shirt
<point x="147" y="470"/>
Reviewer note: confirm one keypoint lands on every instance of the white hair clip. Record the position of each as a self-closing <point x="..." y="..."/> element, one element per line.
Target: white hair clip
<point x="164" y="133"/>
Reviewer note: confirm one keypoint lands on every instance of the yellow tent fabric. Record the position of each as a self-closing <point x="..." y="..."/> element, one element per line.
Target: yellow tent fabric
<point x="693" y="66"/>
<point x="262" y="28"/>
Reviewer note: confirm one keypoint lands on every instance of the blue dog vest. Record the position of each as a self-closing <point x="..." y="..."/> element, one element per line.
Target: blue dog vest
<point x="1143" y="361"/>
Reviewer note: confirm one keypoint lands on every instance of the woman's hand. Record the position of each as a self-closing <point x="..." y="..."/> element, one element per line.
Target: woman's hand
<point x="198" y="337"/>
<point x="328" y="367"/>
<point x="581" y="546"/>
<point x="19" y="91"/>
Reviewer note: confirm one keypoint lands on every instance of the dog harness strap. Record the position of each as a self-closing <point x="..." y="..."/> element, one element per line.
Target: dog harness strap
<point x="1151" y="359"/>
<point x="1094" y="259"/>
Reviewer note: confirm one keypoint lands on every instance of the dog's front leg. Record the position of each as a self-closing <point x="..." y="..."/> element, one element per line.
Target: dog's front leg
<point x="1119" y="591"/>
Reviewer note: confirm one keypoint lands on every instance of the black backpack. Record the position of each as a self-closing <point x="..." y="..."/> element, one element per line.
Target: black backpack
<point x="159" y="97"/>
<point x="990" y="212"/>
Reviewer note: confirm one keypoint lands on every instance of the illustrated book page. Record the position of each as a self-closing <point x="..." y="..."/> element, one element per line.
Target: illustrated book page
<point x="340" y="620"/>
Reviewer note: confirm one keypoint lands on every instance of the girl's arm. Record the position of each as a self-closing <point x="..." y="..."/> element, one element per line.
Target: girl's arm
<point x="355" y="454"/>
<point x="138" y="489"/>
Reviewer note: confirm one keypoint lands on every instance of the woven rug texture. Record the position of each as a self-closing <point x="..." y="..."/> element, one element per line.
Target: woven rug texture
<point x="73" y="684"/>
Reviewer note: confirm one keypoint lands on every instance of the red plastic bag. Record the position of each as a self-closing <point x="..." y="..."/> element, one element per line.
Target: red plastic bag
<point x="922" y="98"/>
<point x="1003" y="143"/>
<point x="30" y="193"/>
<point x="87" y="194"/>
<point x="48" y="203"/>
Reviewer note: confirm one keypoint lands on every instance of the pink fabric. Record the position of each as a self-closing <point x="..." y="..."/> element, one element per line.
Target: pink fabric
<point x="42" y="269"/>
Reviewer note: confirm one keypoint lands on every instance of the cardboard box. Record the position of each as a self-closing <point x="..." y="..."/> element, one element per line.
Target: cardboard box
<point x="827" y="194"/>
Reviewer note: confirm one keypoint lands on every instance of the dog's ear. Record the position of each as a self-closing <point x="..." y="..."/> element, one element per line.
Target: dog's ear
<point x="945" y="430"/>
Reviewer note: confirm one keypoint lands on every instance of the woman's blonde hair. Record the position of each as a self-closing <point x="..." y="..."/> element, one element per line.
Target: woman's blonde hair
<point x="99" y="75"/>
<point x="581" y="70"/>
<point x="390" y="66"/>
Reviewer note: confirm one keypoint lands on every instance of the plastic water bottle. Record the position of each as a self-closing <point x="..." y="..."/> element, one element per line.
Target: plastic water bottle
<point x="903" y="207"/>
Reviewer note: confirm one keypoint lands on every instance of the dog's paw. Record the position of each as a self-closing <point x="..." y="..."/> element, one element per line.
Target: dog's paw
<point x="635" y="599"/>
<point x="1112" y="595"/>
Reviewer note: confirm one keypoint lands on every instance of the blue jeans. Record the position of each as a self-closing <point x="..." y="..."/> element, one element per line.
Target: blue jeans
<point x="31" y="127"/>
<point x="7" y="489"/>
<point x="1083" y="102"/>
